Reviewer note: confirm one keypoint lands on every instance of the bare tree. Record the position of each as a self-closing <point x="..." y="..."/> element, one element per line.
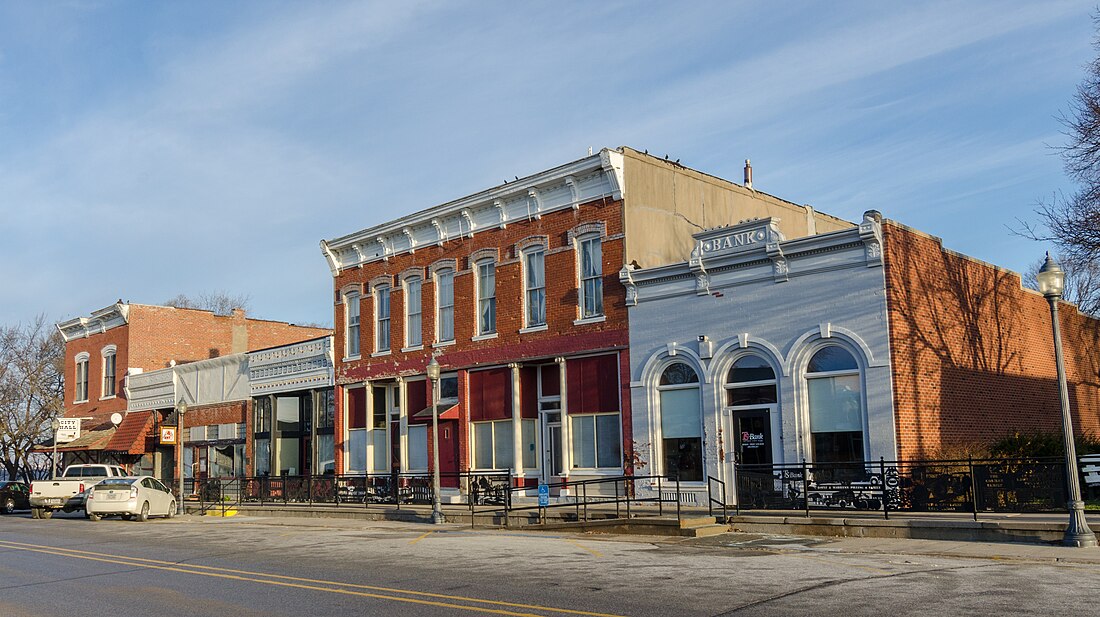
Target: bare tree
<point x="1082" y="282"/>
<point x="1072" y="221"/>
<point x="220" y="302"/>
<point x="31" y="387"/>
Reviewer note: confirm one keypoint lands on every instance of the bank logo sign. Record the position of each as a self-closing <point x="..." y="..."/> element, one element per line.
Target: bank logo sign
<point x="748" y="236"/>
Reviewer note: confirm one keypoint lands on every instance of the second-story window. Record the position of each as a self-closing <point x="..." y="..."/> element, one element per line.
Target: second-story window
<point x="445" y="300"/>
<point x="351" y="310"/>
<point x="486" y="297"/>
<point x="535" y="282"/>
<point x="81" y="393"/>
<point x="382" y="313"/>
<point x="412" y="312"/>
<point x="591" y="277"/>
<point x="108" y="374"/>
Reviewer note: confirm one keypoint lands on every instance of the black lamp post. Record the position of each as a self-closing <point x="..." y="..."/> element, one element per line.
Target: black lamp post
<point x="1051" y="280"/>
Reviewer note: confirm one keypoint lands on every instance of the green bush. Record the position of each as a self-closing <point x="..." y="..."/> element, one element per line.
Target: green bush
<point x="1037" y="445"/>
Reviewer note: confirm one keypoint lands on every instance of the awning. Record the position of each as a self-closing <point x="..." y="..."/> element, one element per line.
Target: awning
<point x="131" y="434"/>
<point x="447" y="411"/>
<point x="89" y="440"/>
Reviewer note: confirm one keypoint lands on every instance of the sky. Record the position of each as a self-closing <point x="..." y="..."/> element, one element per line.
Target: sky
<point x="149" y="149"/>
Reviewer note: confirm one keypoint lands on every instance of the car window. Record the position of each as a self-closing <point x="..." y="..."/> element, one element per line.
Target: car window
<point x="147" y="483"/>
<point x="115" y="483"/>
<point x="160" y="486"/>
<point x="91" y="472"/>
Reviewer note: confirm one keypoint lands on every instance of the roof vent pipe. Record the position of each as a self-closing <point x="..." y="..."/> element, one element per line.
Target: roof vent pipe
<point x="748" y="174"/>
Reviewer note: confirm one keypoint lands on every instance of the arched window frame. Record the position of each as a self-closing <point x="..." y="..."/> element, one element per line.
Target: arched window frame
<point x="80" y="382"/>
<point x="663" y="454"/>
<point x="806" y="377"/>
<point x="728" y="386"/>
<point x="109" y="372"/>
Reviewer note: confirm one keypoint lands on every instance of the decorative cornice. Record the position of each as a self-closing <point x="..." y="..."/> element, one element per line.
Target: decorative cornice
<point x="589" y="179"/>
<point x="100" y="321"/>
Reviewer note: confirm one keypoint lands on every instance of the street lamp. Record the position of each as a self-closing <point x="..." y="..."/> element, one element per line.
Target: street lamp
<point x="181" y="409"/>
<point x="55" y="425"/>
<point x="1051" y="279"/>
<point x="433" y="375"/>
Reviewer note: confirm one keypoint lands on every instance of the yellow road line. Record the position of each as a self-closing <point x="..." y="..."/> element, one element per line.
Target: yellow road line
<point x="581" y="546"/>
<point x="421" y="537"/>
<point x="197" y="570"/>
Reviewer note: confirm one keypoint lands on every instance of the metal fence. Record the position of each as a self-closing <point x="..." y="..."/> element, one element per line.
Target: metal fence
<point x="972" y="486"/>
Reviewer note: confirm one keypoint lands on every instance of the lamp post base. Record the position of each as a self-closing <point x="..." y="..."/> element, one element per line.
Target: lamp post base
<point x="1077" y="532"/>
<point x="438" y="519"/>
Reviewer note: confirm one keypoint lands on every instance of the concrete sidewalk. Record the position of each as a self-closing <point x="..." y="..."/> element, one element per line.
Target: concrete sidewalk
<point x="1037" y="528"/>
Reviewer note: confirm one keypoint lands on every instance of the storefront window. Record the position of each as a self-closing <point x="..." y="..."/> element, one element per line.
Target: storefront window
<point x="681" y="423"/>
<point x="262" y="455"/>
<point x="493" y="445"/>
<point x="596" y="441"/>
<point x="836" y="408"/>
<point x="418" y="447"/>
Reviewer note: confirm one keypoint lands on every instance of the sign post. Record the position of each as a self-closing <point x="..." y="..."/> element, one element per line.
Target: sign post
<point x="544" y="501"/>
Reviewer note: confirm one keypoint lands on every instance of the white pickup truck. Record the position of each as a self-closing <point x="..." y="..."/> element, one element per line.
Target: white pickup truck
<point x="66" y="493"/>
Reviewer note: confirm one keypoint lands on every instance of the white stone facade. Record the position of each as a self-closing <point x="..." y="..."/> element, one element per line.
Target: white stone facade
<point x="746" y="290"/>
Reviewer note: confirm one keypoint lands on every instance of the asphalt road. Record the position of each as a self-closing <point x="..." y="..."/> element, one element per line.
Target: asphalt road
<point x="241" y="567"/>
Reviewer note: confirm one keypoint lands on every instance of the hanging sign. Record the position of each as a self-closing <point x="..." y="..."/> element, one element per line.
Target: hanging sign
<point x="168" y="435"/>
<point x="68" y="429"/>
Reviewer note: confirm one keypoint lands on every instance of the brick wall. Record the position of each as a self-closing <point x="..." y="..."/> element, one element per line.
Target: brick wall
<point x="96" y="407"/>
<point x="561" y="336"/>
<point x="972" y="352"/>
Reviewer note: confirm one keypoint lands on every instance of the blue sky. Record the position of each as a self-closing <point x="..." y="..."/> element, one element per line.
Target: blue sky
<point x="149" y="149"/>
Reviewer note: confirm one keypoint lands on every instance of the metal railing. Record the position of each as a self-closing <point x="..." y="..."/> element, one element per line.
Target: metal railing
<point x="972" y="486"/>
<point x="587" y="498"/>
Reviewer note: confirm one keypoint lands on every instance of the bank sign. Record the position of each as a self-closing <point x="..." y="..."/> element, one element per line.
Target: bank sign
<point x="753" y="235"/>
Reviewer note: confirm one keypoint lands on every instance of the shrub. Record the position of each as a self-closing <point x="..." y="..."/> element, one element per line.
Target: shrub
<point x="1038" y="445"/>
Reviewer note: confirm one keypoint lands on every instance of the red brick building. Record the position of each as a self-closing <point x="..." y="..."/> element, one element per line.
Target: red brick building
<point x="123" y="339"/>
<point x="972" y="351"/>
<point x="515" y="291"/>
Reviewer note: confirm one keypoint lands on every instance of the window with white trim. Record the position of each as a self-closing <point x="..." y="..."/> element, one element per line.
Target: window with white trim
<point x="445" y="301"/>
<point x="681" y="423"/>
<point x="596" y="440"/>
<point x="590" y="285"/>
<point x="835" y="399"/>
<point x="493" y="444"/>
<point x="81" y="380"/>
<point x="750" y="381"/>
<point x="418" y="447"/>
<point x="109" y="374"/>
<point x="382" y="318"/>
<point x="351" y="316"/>
<point x="486" y="296"/>
<point x="534" y="281"/>
<point x="413" y="322"/>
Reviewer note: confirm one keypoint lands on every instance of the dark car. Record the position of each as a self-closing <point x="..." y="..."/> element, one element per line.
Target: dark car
<point x="14" y="496"/>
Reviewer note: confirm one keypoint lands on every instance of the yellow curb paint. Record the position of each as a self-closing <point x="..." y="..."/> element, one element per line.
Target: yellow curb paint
<point x="421" y="537"/>
<point x="583" y="547"/>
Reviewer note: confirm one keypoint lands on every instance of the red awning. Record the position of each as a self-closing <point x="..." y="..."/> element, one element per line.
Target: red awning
<point x="447" y="411"/>
<point x="132" y="433"/>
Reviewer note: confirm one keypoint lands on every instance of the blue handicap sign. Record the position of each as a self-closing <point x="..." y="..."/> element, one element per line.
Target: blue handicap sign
<point x="544" y="495"/>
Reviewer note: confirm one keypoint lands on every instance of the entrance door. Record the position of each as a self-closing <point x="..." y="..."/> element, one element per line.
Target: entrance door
<point x="551" y="446"/>
<point x="753" y="437"/>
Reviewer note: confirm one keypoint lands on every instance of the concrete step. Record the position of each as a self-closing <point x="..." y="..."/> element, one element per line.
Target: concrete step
<point x="705" y="531"/>
<point x="688" y="522"/>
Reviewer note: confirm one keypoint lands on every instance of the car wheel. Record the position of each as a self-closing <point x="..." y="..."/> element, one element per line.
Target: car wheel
<point x="95" y="518"/>
<point x="127" y="516"/>
<point x="171" y="510"/>
<point x="9" y="506"/>
<point x="144" y="516"/>
<point x="45" y="513"/>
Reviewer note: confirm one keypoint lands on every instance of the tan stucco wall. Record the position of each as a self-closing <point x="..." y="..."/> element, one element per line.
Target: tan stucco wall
<point x="662" y="197"/>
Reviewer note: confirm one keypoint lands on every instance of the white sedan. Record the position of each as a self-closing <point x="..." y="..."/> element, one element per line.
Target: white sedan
<point x="130" y="497"/>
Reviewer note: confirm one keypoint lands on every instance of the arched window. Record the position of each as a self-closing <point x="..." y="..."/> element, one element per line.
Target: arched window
<point x="835" y="400"/>
<point x="681" y="423"/>
<point x="751" y="381"/>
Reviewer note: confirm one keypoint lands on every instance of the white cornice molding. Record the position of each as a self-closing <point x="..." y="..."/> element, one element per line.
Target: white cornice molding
<point x="100" y="321"/>
<point x="567" y="186"/>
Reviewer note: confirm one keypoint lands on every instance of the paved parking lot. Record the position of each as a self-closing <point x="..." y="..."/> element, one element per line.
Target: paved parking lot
<point x="253" y="566"/>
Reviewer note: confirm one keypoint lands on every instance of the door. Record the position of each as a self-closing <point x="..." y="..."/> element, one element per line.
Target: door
<point x="551" y="446"/>
<point x="752" y="437"/>
<point x="448" y="453"/>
